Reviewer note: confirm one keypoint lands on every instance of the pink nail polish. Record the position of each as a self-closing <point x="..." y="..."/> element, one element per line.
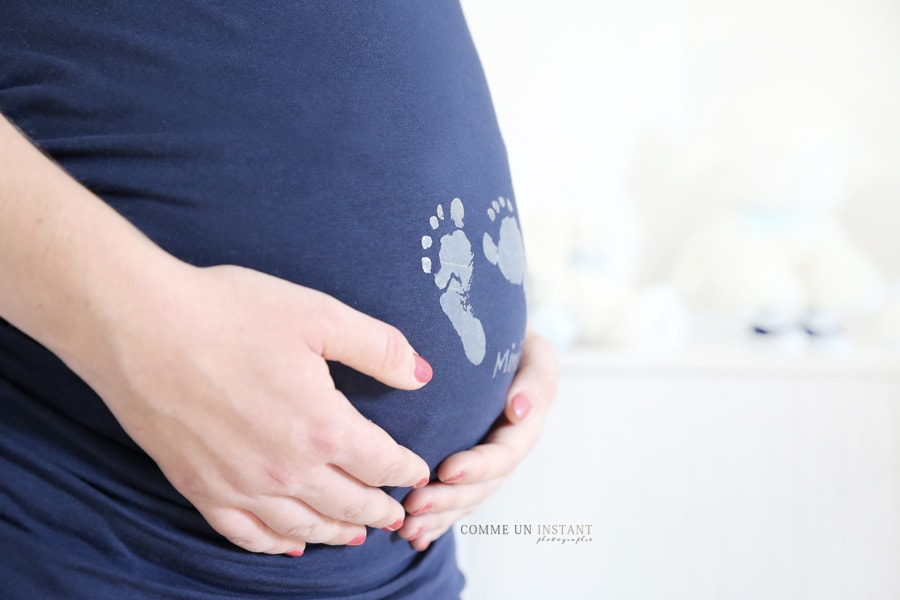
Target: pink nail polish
<point x="357" y="541"/>
<point x="420" y="483"/>
<point x="394" y="526"/>
<point x="422" y="509"/>
<point x="422" y="371"/>
<point x="455" y="477"/>
<point x="521" y="406"/>
<point x="295" y="553"/>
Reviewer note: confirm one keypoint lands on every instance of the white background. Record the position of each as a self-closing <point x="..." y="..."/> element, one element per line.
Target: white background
<point x="710" y="473"/>
<point x="713" y="477"/>
<point x="578" y="85"/>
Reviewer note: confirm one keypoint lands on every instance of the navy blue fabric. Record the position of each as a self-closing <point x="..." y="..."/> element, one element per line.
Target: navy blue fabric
<point x="322" y="142"/>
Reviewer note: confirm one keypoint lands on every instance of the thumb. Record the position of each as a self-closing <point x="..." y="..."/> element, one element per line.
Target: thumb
<point x="370" y="346"/>
<point x="534" y="385"/>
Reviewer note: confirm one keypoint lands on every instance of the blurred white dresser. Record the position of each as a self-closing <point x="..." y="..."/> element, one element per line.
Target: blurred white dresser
<point x="707" y="475"/>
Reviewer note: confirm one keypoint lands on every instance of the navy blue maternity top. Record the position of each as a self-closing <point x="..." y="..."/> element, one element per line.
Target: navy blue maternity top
<point x="346" y="146"/>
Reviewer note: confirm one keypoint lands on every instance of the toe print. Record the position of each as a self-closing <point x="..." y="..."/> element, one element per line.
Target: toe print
<point x="508" y="252"/>
<point x="454" y="277"/>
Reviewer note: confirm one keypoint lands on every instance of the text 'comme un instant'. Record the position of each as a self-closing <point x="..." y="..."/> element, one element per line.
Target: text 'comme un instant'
<point x="544" y="532"/>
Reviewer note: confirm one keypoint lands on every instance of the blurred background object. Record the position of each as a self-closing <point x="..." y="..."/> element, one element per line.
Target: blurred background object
<point x="702" y="171"/>
<point x="710" y="197"/>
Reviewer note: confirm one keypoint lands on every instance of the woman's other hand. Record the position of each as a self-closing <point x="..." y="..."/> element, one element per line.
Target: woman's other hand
<point x="469" y="477"/>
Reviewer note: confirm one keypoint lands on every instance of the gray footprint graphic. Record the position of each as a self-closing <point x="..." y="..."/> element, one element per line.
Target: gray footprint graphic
<point x="508" y="253"/>
<point x="454" y="277"/>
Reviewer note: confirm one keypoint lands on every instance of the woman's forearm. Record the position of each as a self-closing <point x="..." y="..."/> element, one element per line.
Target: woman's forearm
<point x="70" y="266"/>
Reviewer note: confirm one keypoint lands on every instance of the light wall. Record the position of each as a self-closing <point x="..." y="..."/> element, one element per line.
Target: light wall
<point x="583" y="88"/>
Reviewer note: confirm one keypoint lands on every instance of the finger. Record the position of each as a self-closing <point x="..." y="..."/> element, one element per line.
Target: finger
<point x="368" y="345"/>
<point x="432" y="524"/>
<point x="439" y="498"/>
<point x="534" y="385"/>
<point x="368" y="453"/>
<point x="290" y="518"/>
<point x="502" y="451"/>
<point x="338" y="496"/>
<point x="247" y="531"/>
<point x="424" y="540"/>
<point x="426" y="534"/>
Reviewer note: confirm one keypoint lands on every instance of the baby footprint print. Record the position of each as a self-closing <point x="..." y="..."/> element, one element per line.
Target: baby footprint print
<point x="508" y="253"/>
<point x="454" y="277"/>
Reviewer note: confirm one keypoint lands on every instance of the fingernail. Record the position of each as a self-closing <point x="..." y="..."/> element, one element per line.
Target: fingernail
<point x="422" y="509"/>
<point x="394" y="526"/>
<point x="357" y="541"/>
<point x="455" y="477"/>
<point x="295" y="553"/>
<point x="416" y="534"/>
<point x="422" y="370"/>
<point x="521" y="406"/>
<point x="421" y="483"/>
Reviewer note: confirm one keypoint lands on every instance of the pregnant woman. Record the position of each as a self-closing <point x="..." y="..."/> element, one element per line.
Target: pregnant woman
<point x="205" y="388"/>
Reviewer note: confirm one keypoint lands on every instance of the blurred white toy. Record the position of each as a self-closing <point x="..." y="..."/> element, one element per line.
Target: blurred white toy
<point x="888" y="324"/>
<point x="582" y="269"/>
<point x="775" y="252"/>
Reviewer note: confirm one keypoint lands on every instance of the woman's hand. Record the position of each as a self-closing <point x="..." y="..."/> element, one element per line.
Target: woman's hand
<point x="226" y="387"/>
<point x="469" y="477"/>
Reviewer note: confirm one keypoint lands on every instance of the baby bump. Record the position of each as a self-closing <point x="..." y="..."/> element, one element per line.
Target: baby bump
<point x="384" y="184"/>
<point x="450" y="275"/>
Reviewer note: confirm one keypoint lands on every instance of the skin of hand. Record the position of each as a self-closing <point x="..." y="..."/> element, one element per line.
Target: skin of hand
<point x="467" y="478"/>
<point x="218" y="373"/>
<point x="230" y="394"/>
